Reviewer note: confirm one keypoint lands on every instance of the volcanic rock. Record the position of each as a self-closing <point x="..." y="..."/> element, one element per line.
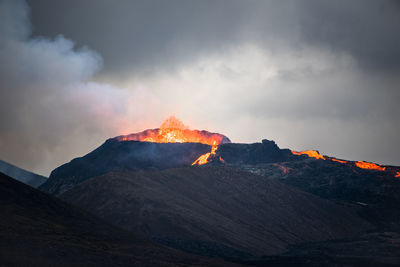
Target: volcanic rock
<point x="39" y="230"/>
<point x="217" y="207"/>
<point x="375" y="192"/>
<point x="136" y="155"/>
<point x="122" y="155"/>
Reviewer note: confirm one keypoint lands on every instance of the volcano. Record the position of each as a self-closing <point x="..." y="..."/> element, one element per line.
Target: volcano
<point x="199" y="192"/>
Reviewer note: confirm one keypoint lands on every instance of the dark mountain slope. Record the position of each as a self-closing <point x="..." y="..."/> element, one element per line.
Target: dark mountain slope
<point x="22" y="175"/>
<point x="214" y="205"/>
<point x="377" y="193"/>
<point x="135" y="155"/>
<point x="39" y="230"/>
<point x="122" y="155"/>
<point x="367" y="250"/>
<point x="265" y="152"/>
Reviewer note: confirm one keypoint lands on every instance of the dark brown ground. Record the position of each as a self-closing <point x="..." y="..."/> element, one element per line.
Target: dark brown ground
<point x="40" y="230"/>
<point x="222" y="207"/>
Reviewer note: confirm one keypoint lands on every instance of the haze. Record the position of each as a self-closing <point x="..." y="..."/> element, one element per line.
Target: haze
<point x="308" y="74"/>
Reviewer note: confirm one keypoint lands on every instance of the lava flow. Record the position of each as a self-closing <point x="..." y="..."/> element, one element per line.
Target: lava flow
<point x="310" y="153"/>
<point x="369" y="165"/>
<point x="339" y="160"/>
<point x="359" y="164"/>
<point x="205" y="158"/>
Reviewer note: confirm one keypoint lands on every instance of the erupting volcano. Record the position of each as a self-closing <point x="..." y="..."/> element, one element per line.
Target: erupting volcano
<point x="172" y="130"/>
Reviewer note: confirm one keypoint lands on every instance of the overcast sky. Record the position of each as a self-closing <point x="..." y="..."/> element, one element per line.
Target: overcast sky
<point x="309" y="74"/>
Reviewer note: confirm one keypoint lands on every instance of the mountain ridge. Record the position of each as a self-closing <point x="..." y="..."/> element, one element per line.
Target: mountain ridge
<point x="19" y="174"/>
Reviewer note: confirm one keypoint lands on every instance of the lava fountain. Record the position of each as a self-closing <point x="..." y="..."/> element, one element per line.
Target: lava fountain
<point x="172" y="130"/>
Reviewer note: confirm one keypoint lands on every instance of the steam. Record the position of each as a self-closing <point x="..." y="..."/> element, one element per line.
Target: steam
<point x="50" y="109"/>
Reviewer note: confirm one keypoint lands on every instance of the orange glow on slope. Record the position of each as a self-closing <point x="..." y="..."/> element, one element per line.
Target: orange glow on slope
<point x="173" y="130"/>
<point x="203" y="159"/>
<point x="309" y="153"/>
<point x="338" y="160"/>
<point x="284" y="169"/>
<point x="369" y="165"/>
<point x="359" y="164"/>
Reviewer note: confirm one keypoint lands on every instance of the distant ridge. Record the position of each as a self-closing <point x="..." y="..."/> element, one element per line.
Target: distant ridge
<point x="24" y="176"/>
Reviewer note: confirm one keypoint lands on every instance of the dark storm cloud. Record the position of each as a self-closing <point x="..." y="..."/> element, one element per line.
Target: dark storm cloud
<point x="138" y="35"/>
<point x="368" y="30"/>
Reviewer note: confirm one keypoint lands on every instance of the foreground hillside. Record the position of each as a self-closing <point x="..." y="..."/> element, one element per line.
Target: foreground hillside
<point x="39" y="230"/>
<point x="376" y="193"/>
<point x="214" y="210"/>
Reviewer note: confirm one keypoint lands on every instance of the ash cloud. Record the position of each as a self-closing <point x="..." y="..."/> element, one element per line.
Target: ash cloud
<point x="50" y="109"/>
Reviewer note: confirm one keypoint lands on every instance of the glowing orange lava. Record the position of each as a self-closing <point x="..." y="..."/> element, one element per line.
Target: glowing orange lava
<point x="203" y="159"/>
<point x="338" y="160"/>
<point x="369" y="166"/>
<point x="359" y="164"/>
<point x="173" y="130"/>
<point x="284" y="169"/>
<point x="310" y="153"/>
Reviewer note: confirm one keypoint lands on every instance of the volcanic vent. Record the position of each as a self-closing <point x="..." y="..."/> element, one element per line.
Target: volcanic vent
<point x="172" y="130"/>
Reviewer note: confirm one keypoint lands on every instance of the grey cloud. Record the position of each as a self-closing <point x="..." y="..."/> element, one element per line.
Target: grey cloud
<point x="134" y="36"/>
<point x="368" y="30"/>
<point x="140" y="35"/>
<point x="50" y="110"/>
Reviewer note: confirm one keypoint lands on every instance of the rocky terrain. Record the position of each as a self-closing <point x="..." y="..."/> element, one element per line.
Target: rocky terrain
<point x="115" y="155"/>
<point x="39" y="230"/>
<point x="223" y="208"/>
<point x="376" y="193"/>
<point x="370" y="249"/>
<point x="251" y="203"/>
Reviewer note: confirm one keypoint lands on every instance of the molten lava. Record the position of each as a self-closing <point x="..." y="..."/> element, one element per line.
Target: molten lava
<point x="338" y="160"/>
<point x="205" y="158"/>
<point x="369" y="166"/>
<point x="309" y="153"/>
<point x="284" y="169"/>
<point x="359" y="164"/>
<point x="173" y="130"/>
